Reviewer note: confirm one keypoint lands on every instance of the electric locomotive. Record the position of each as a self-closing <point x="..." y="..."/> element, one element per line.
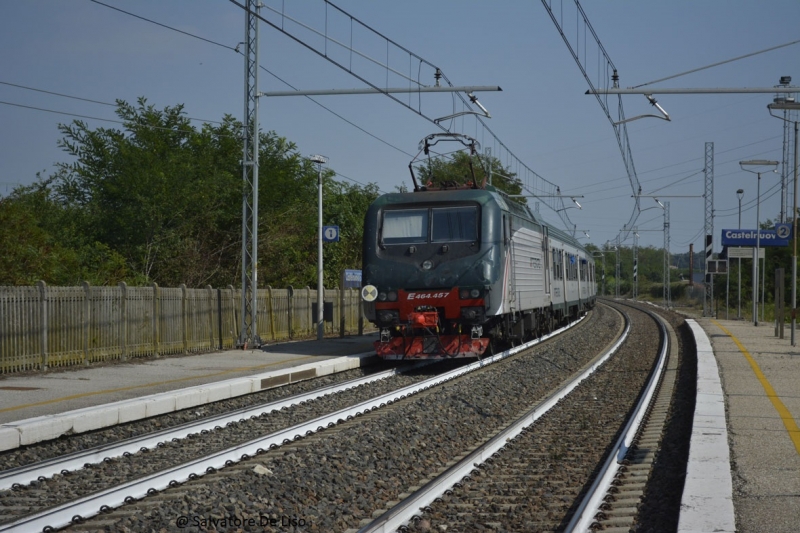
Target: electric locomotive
<point x="448" y="270"/>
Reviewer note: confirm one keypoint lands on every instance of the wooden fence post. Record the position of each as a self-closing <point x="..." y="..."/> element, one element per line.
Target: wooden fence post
<point x="219" y="316"/>
<point x="210" y="317"/>
<point x="341" y="306"/>
<point x="290" y="292"/>
<point x="87" y="320"/>
<point x="123" y="322"/>
<point x="271" y="307"/>
<point x="235" y="317"/>
<point x="312" y="326"/>
<point x="184" y="319"/>
<point x="156" y="318"/>
<point x="42" y="286"/>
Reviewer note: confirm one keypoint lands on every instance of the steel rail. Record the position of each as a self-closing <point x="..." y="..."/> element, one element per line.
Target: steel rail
<point x="101" y="501"/>
<point x="584" y="515"/>
<point x="405" y="511"/>
<point x="75" y="461"/>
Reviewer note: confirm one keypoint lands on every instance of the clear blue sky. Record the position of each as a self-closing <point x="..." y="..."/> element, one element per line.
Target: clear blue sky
<point x="83" y="49"/>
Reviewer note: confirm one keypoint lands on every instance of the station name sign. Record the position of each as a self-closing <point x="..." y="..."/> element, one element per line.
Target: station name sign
<point x="767" y="237"/>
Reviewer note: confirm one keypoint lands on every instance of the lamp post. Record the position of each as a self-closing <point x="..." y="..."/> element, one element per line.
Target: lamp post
<point x="788" y="104"/>
<point x="740" y="195"/>
<point x="319" y="160"/>
<point x="757" y="163"/>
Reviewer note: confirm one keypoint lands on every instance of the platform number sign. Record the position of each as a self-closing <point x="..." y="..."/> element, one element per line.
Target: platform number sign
<point x="330" y="233"/>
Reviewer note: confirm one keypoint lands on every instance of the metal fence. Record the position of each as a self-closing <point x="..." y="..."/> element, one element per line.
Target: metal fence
<point x="44" y="327"/>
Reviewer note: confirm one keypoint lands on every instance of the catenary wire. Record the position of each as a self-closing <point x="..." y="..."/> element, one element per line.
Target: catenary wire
<point x="235" y="49"/>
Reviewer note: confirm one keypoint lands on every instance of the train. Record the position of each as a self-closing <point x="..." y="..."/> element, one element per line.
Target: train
<point x="455" y="270"/>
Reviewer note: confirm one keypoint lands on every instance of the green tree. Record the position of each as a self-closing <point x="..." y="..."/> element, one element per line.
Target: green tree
<point x="160" y="200"/>
<point x="462" y="169"/>
<point x="40" y="243"/>
<point x="159" y="193"/>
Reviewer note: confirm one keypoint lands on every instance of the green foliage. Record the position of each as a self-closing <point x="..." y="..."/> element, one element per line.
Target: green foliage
<point x="161" y="200"/>
<point x="40" y="243"/>
<point x="462" y="169"/>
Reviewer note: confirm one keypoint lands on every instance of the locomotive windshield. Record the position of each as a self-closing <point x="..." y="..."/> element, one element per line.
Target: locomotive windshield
<point x="439" y="224"/>
<point x="453" y="224"/>
<point x="406" y="226"/>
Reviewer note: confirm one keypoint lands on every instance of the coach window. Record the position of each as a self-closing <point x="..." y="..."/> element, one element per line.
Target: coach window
<point x="405" y="226"/>
<point x="453" y="224"/>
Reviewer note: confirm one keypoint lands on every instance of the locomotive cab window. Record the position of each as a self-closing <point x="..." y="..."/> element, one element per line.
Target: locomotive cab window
<point x="437" y="225"/>
<point x="405" y="226"/>
<point x="454" y="224"/>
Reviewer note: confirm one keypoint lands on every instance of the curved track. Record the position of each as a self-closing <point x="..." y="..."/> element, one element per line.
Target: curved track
<point x="555" y="474"/>
<point x="24" y="499"/>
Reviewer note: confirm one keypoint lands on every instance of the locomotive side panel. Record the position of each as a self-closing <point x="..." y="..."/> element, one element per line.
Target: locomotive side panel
<point x="529" y="265"/>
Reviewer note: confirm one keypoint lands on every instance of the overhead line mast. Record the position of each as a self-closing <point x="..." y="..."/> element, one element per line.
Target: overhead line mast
<point x="248" y="335"/>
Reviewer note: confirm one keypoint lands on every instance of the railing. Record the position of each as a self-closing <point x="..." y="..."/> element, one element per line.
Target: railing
<point x="43" y="327"/>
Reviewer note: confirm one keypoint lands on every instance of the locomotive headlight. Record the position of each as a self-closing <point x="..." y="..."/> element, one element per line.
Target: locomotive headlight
<point x="427" y="265"/>
<point x="466" y="294"/>
<point x="382" y="296"/>
<point x="392" y="296"/>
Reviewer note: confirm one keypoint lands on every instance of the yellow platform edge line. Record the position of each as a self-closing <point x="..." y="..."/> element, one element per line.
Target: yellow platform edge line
<point x="788" y="421"/>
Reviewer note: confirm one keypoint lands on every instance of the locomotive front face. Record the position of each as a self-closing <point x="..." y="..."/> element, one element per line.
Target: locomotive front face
<point x="428" y="265"/>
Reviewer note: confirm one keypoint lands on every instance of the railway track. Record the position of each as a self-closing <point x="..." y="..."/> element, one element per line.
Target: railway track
<point x="99" y="486"/>
<point x="562" y="473"/>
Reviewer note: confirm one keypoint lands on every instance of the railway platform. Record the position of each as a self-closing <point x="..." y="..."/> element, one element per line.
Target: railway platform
<point x="37" y="406"/>
<point x="759" y="376"/>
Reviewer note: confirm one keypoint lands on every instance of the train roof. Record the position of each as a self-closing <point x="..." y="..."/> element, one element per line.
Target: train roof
<point x="524" y="211"/>
<point x="482" y="195"/>
<point x="563" y="236"/>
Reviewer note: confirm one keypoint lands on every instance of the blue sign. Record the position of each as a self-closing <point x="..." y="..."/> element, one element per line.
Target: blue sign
<point x="784" y="231"/>
<point x="330" y="233"/>
<point x="352" y="279"/>
<point x="747" y="237"/>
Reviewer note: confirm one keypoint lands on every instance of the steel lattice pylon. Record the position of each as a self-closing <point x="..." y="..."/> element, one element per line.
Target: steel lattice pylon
<point x="708" y="294"/>
<point x="248" y="334"/>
